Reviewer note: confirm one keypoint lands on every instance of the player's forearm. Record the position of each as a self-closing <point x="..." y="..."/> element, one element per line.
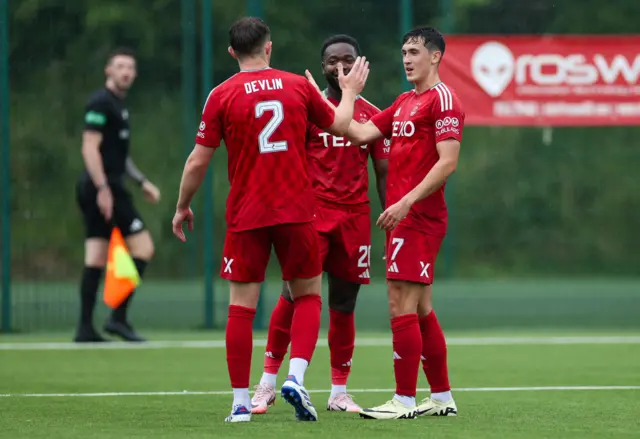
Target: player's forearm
<point x="381" y="168"/>
<point x="362" y="133"/>
<point x="326" y="99"/>
<point x="432" y="182"/>
<point x="344" y="112"/>
<point x="93" y="164"/>
<point x="192" y="178"/>
<point x="381" y="186"/>
<point x="133" y="172"/>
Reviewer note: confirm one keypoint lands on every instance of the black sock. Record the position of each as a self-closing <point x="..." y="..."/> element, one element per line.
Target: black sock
<point x="120" y="313"/>
<point x="88" y="293"/>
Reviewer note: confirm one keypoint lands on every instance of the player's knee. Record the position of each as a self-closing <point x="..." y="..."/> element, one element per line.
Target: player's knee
<point x="403" y="298"/>
<point x="286" y="292"/>
<point x="343" y="301"/>
<point x="244" y="294"/>
<point x="347" y="305"/>
<point x="424" y="308"/>
<point x="305" y="287"/>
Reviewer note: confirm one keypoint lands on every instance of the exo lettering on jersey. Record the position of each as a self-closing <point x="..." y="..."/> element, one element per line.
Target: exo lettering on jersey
<point x="329" y="140"/>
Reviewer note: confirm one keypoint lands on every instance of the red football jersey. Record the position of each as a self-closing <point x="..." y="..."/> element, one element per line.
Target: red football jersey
<point x="262" y="117"/>
<point x="338" y="169"/>
<point x="416" y="122"/>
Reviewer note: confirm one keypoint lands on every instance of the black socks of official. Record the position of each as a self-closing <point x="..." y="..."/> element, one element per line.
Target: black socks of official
<point x="91" y="277"/>
<point x="88" y="292"/>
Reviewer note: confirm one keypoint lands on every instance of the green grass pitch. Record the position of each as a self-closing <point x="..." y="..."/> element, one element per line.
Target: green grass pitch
<point x="128" y="385"/>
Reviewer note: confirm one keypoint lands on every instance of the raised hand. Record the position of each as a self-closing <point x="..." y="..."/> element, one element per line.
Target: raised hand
<point x="357" y="77"/>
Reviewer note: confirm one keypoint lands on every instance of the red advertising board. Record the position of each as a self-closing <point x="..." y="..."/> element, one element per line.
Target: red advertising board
<point x="545" y="80"/>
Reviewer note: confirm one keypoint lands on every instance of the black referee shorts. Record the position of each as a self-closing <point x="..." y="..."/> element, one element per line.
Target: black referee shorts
<point x="125" y="215"/>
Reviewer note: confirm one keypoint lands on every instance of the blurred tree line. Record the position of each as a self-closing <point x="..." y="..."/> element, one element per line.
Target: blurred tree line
<point x="519" y="206"/>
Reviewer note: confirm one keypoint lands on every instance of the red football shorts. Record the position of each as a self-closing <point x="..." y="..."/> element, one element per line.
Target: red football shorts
<point x="411" y="255"/>
<point x="246" y="254"/>
<point x="345" y="242"/>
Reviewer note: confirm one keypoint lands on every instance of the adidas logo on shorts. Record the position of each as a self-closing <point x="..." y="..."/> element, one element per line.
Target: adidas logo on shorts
<point x="365" y="274"/>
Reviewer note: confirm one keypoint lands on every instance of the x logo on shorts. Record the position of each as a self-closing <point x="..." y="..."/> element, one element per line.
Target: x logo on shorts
<point x="425" y="267"/>
<point x="227" y="267"/>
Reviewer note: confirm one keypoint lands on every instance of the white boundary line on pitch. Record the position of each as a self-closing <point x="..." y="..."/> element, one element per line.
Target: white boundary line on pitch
<point x="226" y="392"/>
<point x="201" y="344"/>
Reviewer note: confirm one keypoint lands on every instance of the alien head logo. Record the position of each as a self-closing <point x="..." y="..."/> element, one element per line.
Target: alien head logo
<point x="492" y="65"/>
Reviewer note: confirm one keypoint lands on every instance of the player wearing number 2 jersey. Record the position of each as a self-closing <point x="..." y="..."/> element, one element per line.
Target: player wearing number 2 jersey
<point x="425" y="126"/>
<point x="339" y="175"/>
<point x="261" y="115"/>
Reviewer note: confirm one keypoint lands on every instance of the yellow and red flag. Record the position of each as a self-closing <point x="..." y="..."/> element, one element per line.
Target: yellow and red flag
<point x="122" y="275"/>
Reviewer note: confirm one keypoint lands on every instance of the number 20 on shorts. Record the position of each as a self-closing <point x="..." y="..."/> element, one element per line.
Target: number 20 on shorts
<point x="365" y="256"/>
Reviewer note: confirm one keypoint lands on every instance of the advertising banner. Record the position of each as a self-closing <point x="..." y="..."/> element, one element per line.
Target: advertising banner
<point x="545" y="80"/>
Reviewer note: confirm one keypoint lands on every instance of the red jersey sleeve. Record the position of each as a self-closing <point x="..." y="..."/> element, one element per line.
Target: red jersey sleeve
<point x="384" y="121"/>
<point x="448" y="115"/>
<point x="380" y="149"/>
<point x="320" y="113"/>
<point x="210" y="130"/>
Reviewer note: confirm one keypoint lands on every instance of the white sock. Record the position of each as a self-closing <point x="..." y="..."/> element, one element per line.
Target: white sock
<point x="337" y="389"/>
<point x="297" y="368"/>
<point x="406" y="400"/>
<point x="268" y="379"/>
<point x="442" y="396"/>
<point x="241" y="397"/>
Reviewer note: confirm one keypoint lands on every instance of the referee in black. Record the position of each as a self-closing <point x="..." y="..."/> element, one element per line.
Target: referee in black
<point x="103" y="198"/>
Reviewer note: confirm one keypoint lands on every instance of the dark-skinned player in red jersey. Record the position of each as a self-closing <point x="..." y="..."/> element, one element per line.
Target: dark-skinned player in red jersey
<point x="425" y="126"/>
<point x="339" y="174"/>
<point x="261" y="115"/>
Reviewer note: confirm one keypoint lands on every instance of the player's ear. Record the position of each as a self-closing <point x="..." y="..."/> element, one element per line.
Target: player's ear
<point x="436" y="57"/>
<point x="267" y="48"/>
<point x="232" y="53"/>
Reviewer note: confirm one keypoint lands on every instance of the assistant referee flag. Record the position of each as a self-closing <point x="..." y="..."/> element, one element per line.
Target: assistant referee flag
<point x="122" y="276"/>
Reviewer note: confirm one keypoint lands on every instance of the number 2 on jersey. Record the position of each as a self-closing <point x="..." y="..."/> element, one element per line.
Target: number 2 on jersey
<point x="266" y="144"/>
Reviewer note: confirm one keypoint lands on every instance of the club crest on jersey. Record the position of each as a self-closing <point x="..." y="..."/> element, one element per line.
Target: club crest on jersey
<point x="415" y="109"/>
<point x="363" y="118"/>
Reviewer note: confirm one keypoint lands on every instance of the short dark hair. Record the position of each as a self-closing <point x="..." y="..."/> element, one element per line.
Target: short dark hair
<point x="341" y="38"/>
<point x="121" y="51"/>
<point x="248" y="35"/>
<point x="433" y="39"/>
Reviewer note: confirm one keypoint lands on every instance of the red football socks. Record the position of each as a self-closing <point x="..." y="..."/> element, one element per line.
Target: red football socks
<point x="434" y="353"/>
<point x="342" y="337"/>
<point x="279" y="335"/>
<point x="305" y="326"/>
<point x="407" y="345"/>
<point x="239" y="342"/>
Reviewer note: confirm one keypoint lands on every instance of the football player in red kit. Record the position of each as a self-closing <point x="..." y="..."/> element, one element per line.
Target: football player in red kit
<point x="261" y="114"/>
<point x="425" y="126"/>
<point x="339" y="174"/>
